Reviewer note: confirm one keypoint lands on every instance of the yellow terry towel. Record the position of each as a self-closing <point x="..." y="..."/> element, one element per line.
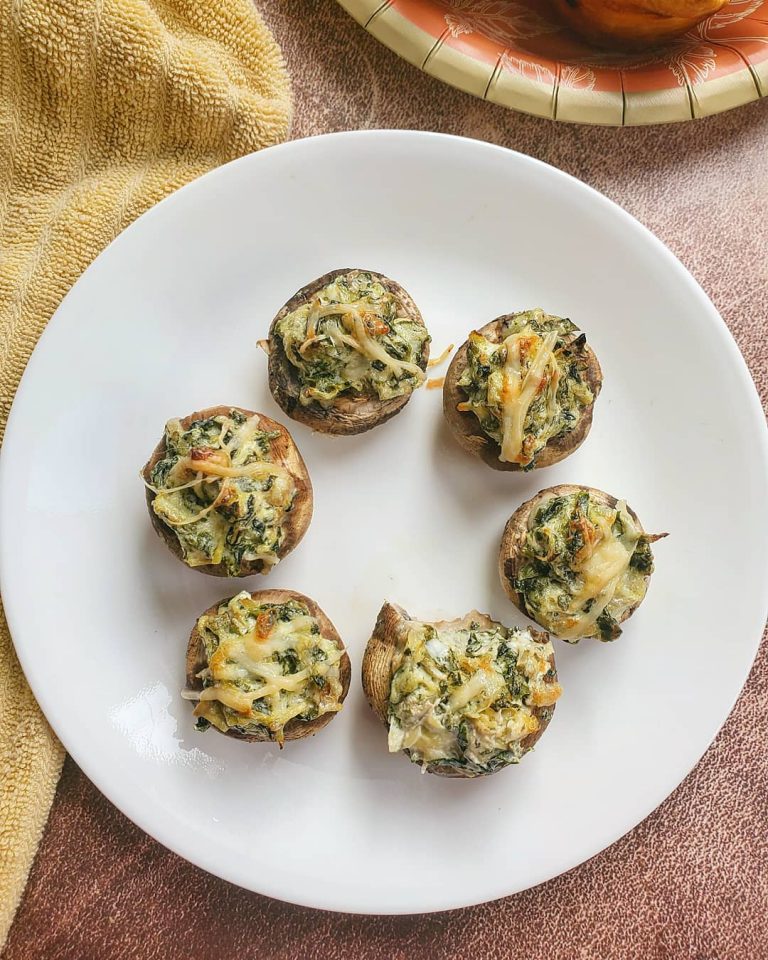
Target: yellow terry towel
<point x="105" y="107"/>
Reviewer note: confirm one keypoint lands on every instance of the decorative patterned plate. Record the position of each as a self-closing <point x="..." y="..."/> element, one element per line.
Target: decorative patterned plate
<point x="512" y="53"/>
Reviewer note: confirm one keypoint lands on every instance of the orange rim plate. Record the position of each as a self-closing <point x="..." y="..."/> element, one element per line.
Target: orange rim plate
<point x="513" y="54"/>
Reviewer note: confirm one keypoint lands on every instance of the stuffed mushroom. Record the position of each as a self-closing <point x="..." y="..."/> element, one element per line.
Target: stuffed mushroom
<point x="520" y="392"/>
<point x="462" y="698"/>
<point x="228" y="491"/>
<point x="266" y="666"/>
<point x="577" y="561"/>
<point x="347" y="351"/>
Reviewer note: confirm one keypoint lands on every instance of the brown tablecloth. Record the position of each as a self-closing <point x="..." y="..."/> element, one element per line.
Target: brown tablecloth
<point x="691" y="882"/>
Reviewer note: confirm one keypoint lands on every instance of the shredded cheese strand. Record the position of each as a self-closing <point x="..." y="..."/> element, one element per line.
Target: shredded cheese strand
<point x="259" y="468"/>
<point x="375" y="351"/>
<point x="271" y="686"/>
<point x="472" y="688"/>
<point x="519" y="392"/>
<point x="360" y="340"/>
<point x="601" y="572"/>
<point x="339" y="309"/>
<point x="436" y="361"/>
<point x="308" y="343"/>
<point x="339" y="337"/>
<point x="198" y="516"/>
<point x="163" y="490"/>
<point x="313" y="318"/>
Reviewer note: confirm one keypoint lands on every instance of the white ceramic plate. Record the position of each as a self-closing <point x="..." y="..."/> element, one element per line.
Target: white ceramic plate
<point x="166" y="322"/>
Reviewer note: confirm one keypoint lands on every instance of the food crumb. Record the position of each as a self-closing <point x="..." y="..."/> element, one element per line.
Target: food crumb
<point x="443" y="356"/>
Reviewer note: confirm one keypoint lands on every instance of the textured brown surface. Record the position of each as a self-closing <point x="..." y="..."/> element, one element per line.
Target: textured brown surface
<point x="690" y="883"/>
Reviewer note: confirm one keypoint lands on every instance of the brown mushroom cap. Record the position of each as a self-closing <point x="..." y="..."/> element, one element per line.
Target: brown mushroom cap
<point x="295" y="729"/>
<point x="516" y="530"/>
<point x="349" y="414"/>
<point x="381" y="662"/>
<point x="466" y="427"/>
<point x="282" y="450"/>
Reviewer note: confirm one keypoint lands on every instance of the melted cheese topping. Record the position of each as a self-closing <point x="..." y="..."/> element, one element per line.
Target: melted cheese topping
<point x="527" y="385"/>
<point x="352" y="336"/>
<point x="257" y="470"/>
<point x="267" y="665"/>
<point x="601" y="571"/>
<point x="467" y="695"/>
<point x="357" y="318"/>
<point x="520" y="387"/>
<point x="225" y="501"/>
<point x="583" y="562"/>
<point x="481" y="683"/>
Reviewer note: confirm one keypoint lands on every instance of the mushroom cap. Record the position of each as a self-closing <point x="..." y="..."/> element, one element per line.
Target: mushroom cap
<point x="348" y="414"/>
<point x="284" y="451"/>
<point x="466" y="427"/>
<point x="381" y="662"/>
<point x="295" y="729"/>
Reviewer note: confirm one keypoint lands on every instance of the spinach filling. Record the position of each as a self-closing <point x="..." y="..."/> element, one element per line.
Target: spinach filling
<point x="221" y="494"/>
<point x="530" y="387"/>
<point x="354" y="338"/>
<point x="267" y="664"/>
<point x="584" y="564"/>
<point x="469" y="695"/>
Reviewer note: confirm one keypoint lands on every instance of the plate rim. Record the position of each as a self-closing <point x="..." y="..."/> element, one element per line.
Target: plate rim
<point x="93" y="768"/>
<point x="384" y="22"/>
